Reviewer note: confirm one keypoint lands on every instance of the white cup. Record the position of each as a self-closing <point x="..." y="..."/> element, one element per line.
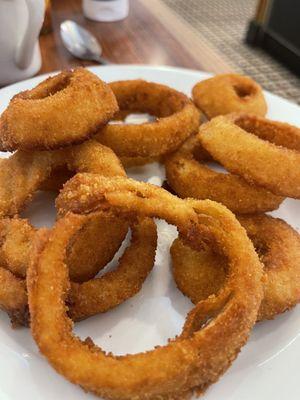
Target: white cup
<point x="20" y="24"/>
<point x="105" y="10"/>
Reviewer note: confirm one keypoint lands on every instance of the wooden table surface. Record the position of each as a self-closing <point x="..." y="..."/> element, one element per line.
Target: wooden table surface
<point x="152" y="34"/>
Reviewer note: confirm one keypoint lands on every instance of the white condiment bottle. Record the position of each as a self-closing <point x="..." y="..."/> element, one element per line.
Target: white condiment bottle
<point x="105" y="10"/>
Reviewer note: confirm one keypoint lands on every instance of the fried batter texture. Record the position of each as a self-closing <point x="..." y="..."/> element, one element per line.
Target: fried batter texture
<point x="239" y="144"/>
<point x="65" y="109"/>
<point x="83" y="261"/>
<point x="214" y="330"/>
<point x="13" y="297"/>
<point x="200" y="274"/>
<point x="129" y="162"/>
<point x="92" y="296"/>
<point x="113" y="288"/>
<point x="227" y="93"/>
<point x="188" y="176"/>
<point x="177" y="119"/>
<point x="27" y="171"/>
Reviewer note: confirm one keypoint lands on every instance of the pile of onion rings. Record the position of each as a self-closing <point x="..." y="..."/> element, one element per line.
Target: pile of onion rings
<point x="88" y="296"/>
<point x="236" y="269"/>
<point x="189" y="360"/>
<point x="28" y="171"/>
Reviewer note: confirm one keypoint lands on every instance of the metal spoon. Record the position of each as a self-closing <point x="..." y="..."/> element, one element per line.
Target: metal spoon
<point x="80" y="42"/>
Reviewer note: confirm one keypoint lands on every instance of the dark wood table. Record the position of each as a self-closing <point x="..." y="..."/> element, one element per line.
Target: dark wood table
<point x="152" y="34"/>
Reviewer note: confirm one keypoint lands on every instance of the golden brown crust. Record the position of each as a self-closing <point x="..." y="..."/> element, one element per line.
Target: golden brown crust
<point x="97" y="295"/>
<point x="113" y="288"/>
<point x="258" y="161"/>
<point x="27" y="171"/>
<point x="199" y="274"/>
<point x="103" y="235"/>
<point x="177" y="119"/>
<point x="16" y="237"/>
<point x="65" y="109"/>
<point x="188" y="176"/>
<point x="94" y="245"/>
<point x="279" y="133"/>
<point x="13" y="296"/>
<point x="129" y="162"/>
<point x="227" y="93"/>
<point x="214" y="331"/>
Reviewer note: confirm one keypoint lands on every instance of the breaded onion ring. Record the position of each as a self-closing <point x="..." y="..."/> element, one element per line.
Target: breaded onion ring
<point x="113" y="288"/>
<point x="95" y="295"/>
<point x="227" y="93"/>
<point x="279" y="133"/>
<point x="214" y="330"/>
<point x="94" y="245"/>
<point x="188" y="176"/>
<point x="177" y="119"/>
<point x="26" y="172"/>
<point x="83" y="261"/>
<point x="67" y="108"/>
<point x="258" y="161"/>
<point x="199" y="274"/>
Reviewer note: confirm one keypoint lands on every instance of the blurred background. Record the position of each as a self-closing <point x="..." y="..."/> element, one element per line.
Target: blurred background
<point x="259" y="38"/>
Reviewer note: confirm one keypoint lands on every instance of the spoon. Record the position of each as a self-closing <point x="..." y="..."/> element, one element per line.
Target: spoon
<point x="80" y="42"/>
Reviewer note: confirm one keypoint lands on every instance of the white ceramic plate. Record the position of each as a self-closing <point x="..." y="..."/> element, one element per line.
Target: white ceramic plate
<point x="268" y="366"/>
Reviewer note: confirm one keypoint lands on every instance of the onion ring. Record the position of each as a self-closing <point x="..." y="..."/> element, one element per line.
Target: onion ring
<point x="83" y="261"/>
<point x="101" y="294"/>
<point x="94" y="245"/>
<point x="244" y="153"/>
<point x="199" y="274"/>
<point x="26" y="171"/>
<point x="16" y="236"/>
<point x="30" y="170"/>
<point x="177" y="119"/>
<point x="191" y="361"/>
<point x="65" y="109"/>
<point x="188" y="176"/>
<point x="227" y="93"/>
<point x="279" y="133"/>
<point x="95" y="295"/>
